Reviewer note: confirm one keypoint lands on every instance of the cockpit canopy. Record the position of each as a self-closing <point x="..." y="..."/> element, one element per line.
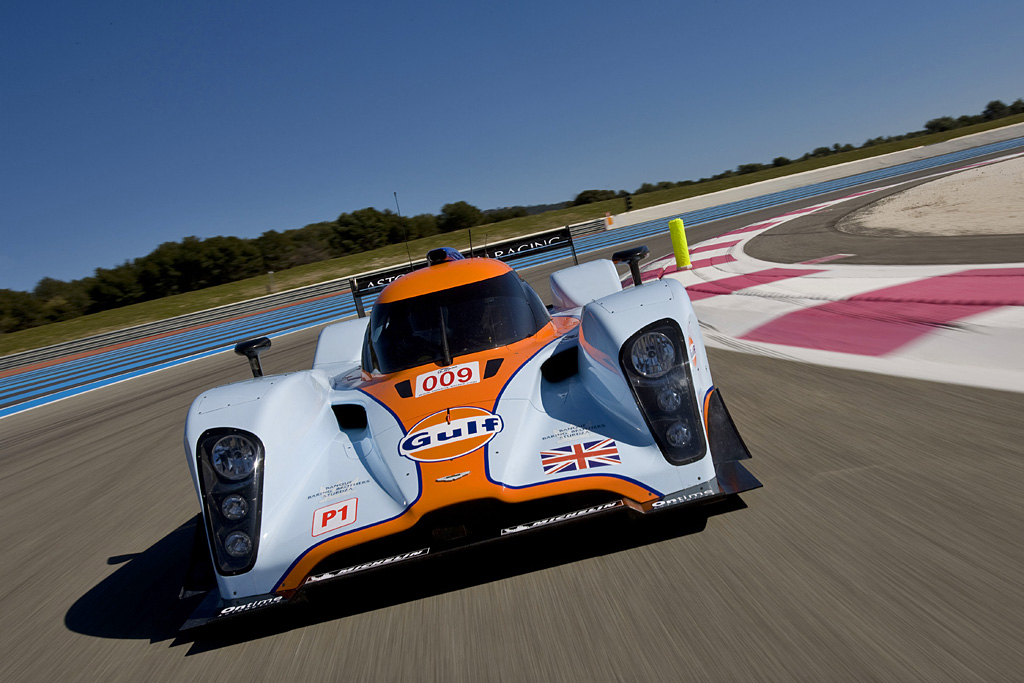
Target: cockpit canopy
<point x="474" y="317"/>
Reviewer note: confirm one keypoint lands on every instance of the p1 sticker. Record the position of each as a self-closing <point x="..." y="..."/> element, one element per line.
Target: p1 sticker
<point x="334" y="516"/>
<point x="450" y="434"/>
<point x="446" y="378"/>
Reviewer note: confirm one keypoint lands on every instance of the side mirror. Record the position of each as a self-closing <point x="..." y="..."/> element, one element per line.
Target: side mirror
<point x="252" y="349"/>
<point x="632" y="257"/>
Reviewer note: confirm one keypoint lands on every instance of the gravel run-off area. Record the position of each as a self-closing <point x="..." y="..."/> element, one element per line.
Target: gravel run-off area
<point x="980" y="201"/>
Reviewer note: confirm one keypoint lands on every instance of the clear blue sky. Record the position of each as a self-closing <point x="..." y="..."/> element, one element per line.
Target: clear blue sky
<point x="127" y="124"/>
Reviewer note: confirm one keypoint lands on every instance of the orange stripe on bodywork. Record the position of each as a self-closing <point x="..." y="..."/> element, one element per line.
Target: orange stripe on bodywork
<point x="442" y="276"/>
<point x="707" y="404"/>
<point x="475" y="485"/>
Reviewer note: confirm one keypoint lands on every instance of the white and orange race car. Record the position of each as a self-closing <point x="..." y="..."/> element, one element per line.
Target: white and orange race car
<point x="465" y="410"/>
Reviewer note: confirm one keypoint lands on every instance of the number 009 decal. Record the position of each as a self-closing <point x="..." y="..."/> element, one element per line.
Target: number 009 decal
<point x="446" y="378"/>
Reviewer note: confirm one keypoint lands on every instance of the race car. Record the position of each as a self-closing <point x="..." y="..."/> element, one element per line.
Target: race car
<point x="463" y="410"/>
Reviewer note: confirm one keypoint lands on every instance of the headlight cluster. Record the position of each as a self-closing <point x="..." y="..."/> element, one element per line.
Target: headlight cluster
<point x="654" y="360"/>
<point x="231" y="476"/>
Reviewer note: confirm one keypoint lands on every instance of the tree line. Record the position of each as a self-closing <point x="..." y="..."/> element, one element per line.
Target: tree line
<point x="994" y="110"/>
<point x="195" y="263"/>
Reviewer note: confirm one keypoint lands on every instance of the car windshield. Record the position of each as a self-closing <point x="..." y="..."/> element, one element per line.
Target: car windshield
<point x="476" y="317"/>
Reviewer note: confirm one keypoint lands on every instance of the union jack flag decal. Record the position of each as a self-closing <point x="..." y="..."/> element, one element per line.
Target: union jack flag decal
<point x="580" y="456"/>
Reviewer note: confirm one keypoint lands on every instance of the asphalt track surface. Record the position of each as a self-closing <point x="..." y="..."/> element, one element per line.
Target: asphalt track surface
<point x="885" y="545"/>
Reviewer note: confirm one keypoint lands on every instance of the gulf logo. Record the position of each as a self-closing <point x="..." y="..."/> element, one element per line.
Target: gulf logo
<point x="450" y="434"/>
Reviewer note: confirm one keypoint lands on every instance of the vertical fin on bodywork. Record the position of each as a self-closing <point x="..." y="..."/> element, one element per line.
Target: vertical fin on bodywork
<point x="726" y="443"/>
<point x="199" y="576"/>
<point x="727" y="448"/>
<point x="735" y="478"/>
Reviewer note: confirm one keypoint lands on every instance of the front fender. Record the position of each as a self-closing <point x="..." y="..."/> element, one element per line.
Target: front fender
<point x="310" y="464"/>
<point x="607" y="323"/>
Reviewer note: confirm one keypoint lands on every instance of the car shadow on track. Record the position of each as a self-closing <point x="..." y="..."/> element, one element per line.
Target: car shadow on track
<point x="140" y="600"/>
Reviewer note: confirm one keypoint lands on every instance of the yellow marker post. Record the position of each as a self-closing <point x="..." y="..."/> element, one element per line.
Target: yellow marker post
<point x="675" y="228"/>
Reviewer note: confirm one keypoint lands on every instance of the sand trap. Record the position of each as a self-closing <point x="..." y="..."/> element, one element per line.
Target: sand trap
<point x="982" y="201"/>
